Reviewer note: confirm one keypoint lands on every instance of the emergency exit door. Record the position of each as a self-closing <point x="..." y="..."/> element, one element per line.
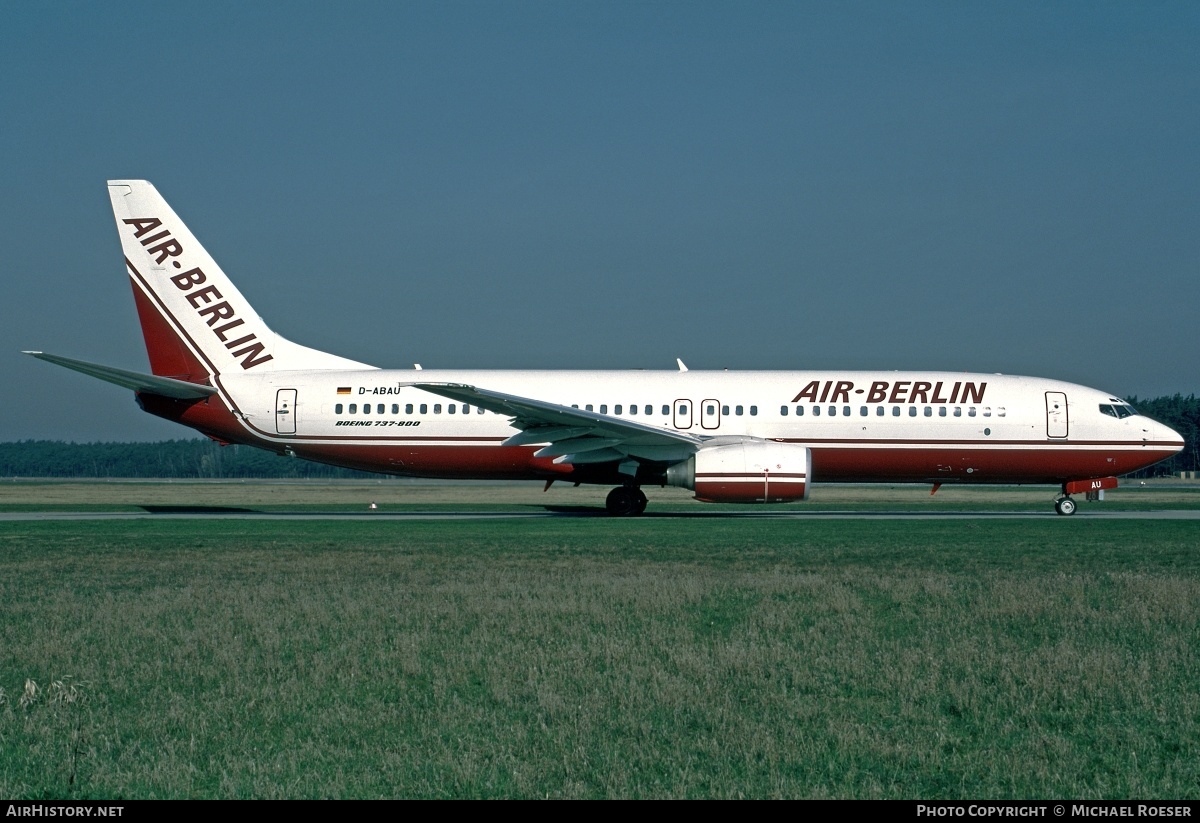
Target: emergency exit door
<point x="682" y="414"/>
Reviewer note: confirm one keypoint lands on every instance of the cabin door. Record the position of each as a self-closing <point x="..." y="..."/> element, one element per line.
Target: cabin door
<point x="710" y="414"/>
<point x="1056" y="414"/>
<point x="285" y="411"/>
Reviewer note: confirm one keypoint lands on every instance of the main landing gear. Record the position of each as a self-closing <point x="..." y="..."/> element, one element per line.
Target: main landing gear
<point x="625" y="501"/>
<point x="1065" y="506"/>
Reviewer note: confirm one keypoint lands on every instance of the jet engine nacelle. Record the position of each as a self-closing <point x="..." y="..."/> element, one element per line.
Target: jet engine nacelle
<point x="748" y="472"/>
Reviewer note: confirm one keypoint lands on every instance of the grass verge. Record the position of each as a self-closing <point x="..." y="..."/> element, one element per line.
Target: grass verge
<point x="600" y="658"/>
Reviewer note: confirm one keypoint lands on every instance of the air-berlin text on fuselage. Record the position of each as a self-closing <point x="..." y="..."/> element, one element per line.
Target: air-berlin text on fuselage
<point x="887" y="391"/>
<point x="162" y="246"/>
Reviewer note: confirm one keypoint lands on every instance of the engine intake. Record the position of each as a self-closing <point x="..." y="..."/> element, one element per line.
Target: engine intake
<point x="754" y="472"/>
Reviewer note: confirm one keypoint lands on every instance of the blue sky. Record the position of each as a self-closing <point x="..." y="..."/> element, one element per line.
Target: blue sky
<point x="1004" y="187"/>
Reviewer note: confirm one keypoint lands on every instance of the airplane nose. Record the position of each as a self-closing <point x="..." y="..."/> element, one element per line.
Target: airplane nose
<point x="1166" y="434"/>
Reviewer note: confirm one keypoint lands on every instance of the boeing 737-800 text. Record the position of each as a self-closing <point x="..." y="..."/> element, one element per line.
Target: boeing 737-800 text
<point x="744" y="437"/>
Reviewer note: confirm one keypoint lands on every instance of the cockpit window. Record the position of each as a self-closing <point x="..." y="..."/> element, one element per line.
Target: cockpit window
<point x="1118" y="410"/>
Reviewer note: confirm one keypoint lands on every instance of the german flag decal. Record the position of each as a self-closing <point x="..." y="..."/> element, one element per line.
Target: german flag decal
<point x="343" y="389"/>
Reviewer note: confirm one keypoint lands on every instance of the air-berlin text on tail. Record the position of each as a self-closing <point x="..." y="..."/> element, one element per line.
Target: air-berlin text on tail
<point x="887" y="391"/>
<point x="207" y="300"/>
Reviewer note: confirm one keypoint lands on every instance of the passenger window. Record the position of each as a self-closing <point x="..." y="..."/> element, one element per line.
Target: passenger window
<point x="737" y="410"/>
<point x="862" y="411"/>
<point x="895" y="411"/>
<point x="816" y="411"/>
<point x="424" y="408"/>
<point x="845" y="411"/>
<point x="437" y="408"/>
<point x="632" y="408"/>
<point x="337" y="409"/>
<point x="379" y="409"/>
<point x="958" y="411"/>
<point x="603" y="408"/>
<point x="725" y="410"/>
<point x="353" y="408"/>
<point x="799" y="411"/>
<point x="941" y="411"/>
<point x="929" y="411"/>
<point x="617" y="408"/>
<point x="649" y="409"/>
<point x="783" y="411"/>
<point x="971" y="412"/>
<point x="452" y="409"/>
<point x="912" y="411"/>
<point x="683" y="409"/>
<point x="666" y="411"/>
<point x="833" y="411"/>
<point x="366" y="408"/>
<point x="879" y="411"/>
<point x="408" y="408"/>
<point x="987" y="411"/>
<point x="999" y="411"/>
<point x="754" y="411"/>
<point x="395" y="408"/>
<point x="588" y="407"/>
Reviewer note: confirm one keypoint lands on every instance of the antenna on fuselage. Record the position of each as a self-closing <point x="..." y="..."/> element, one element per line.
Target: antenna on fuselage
<point x="681" y="366"/>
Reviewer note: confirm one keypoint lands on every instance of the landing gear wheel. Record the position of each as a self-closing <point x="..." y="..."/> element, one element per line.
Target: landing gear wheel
<point x="1064" y="506"/>
<point x="624" y="501"/>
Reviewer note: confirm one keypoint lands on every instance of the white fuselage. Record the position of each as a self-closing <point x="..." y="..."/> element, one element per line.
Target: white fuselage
<point x="927" y="426"/>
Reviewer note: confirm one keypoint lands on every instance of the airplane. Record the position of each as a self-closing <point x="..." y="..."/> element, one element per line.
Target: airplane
<point x="730" y="437"/>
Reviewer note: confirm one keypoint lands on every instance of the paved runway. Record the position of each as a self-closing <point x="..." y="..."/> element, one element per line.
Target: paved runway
<point x="208" y="514"/>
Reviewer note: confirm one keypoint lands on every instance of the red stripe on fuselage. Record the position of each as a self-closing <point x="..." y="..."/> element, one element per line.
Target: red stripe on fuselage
<point x="983" y="465"/>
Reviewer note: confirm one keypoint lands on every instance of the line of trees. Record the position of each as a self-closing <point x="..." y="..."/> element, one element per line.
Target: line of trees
<point x="205" y="459"/>
<point x="170" y="458"/>
<point x="1183" y="415"/>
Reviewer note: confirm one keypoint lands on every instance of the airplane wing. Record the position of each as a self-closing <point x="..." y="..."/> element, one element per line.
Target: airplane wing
<point x="574" y="435"/>
<point x="149" y="383"/>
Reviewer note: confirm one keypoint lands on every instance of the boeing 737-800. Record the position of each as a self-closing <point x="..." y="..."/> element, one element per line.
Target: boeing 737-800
<point x="744" y="437"/>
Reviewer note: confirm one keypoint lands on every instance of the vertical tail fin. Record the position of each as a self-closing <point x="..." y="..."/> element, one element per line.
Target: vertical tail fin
<point x="195" y="321"/>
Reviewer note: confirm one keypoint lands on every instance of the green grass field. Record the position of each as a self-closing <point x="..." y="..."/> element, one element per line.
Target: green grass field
<point x="592" y="657"/>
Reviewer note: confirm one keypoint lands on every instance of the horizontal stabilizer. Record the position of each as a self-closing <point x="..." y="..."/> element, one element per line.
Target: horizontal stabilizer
<point x="163" y="386"/>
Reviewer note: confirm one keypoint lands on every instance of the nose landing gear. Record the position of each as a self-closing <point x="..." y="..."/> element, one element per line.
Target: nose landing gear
<point x="1093" y="487"/>
<point x="625" y="501"/>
